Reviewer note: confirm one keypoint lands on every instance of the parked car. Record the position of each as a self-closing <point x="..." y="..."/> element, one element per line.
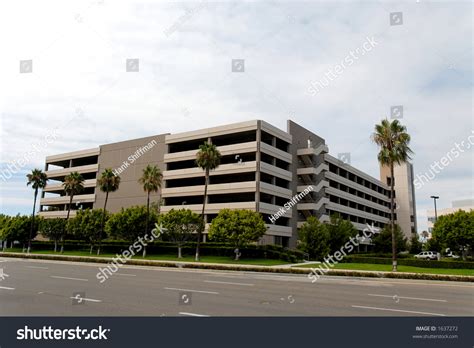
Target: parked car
<point x="451" y="255"/>
<point x="427" y="255"/>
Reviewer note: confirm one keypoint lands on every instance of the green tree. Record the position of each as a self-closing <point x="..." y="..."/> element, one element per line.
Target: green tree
<point x="393" y="141"/>
<point x="129" y="224"/>
<point x="433" y="244"/>
<point x="237" y="227"/>
<point x="151" y="182"/>
<point x="4" y="223"/>
<point x="340" y="232"/>
<point x="415" y="244"/>
<point x="383" y="241"/>
<point x="455" y="231"/>
<point x="207" y="158"/>
<point x="179" y="226"/>
<point x="87" y="225"/>
<point x="53" y="230"/>
<point x="73" y="184"/>
<point x="38" y="180"/>
<point x="314" y="238"/>
<point x="108" y="182"/>
<point x="19" y="229"/>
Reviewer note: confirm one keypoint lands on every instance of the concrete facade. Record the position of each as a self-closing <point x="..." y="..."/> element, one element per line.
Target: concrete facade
<point x="128" y="161"/>
<point x="286" y="176"/>
<point x="404" y="196"/>
<point x="465" y="204"/>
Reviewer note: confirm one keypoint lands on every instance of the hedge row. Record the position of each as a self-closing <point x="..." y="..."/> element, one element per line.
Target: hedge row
<point x="411" y="262"/>
<point x="168" y="248"/>
<point x="386" y="255"/>
<point x="247" y="268"/>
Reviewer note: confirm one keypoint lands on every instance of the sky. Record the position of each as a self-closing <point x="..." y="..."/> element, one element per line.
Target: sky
<point x="64" y="83"/>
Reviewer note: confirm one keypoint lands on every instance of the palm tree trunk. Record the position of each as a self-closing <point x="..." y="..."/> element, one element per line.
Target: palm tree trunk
<point x="392" y="219"/>
<point x="32" y="221"/>
<point x="147" y="220"/>
<point x="67" y="220"/>
<point x="199" y="236"/>
<point x="101" y="233"/>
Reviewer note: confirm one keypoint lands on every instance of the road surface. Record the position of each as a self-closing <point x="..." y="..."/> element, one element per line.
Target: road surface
<point x="54" y="288"/>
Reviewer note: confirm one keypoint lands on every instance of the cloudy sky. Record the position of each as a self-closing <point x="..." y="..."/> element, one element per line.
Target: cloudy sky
<point x="75" y="87"/>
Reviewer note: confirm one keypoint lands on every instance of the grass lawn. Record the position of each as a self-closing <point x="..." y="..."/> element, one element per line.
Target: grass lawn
<point x="401" y="268"/>
<point x="185" y="258"/>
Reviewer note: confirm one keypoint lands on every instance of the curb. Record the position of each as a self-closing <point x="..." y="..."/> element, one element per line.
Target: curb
<point x="249" y="268"/>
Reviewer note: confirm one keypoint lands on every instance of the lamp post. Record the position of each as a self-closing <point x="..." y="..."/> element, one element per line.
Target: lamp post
<point x="436" y="212"/>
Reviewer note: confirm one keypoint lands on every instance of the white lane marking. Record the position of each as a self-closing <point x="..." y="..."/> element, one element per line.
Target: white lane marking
<point x="189" y="290"/>
<point x="409" y="298"/>
<point x="126" y="274"/>
<point x="229" y="283"/>
<point x="85" y="299"/>
<point x="398" y="310"/>
<point x="298" y="277"/>
<point x="81" y="279"/>
<point x="263" y="277"/>
<point x="37" y="267"/>
<point x="194" y="314"/>
<point x="6" y="288"/>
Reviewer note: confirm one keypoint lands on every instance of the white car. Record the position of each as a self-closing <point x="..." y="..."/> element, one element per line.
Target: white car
<point x="451" y="255"/>
<point x="427" y="255"/>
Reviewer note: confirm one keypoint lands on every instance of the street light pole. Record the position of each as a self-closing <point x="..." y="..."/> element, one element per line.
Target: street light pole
<point x="436" y="212"/>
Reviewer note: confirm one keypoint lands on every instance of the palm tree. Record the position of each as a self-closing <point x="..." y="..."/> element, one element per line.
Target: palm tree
<point x="73" y="184"/>
<point x="108" y="182"/>
<point x="38" y="180"/>
<point x="393" y="140"/>
<point x="151" y="181"/>
<point x="207" y="158"/>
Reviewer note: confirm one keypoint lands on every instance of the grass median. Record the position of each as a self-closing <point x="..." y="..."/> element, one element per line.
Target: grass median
<point x="185" y="258"/>
<point x="401" y="268"/>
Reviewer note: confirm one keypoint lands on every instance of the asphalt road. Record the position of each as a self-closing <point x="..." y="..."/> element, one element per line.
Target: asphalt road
<point x="52" y="288"/>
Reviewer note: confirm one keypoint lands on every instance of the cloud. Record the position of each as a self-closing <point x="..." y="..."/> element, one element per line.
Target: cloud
<point x="185" y="78"/>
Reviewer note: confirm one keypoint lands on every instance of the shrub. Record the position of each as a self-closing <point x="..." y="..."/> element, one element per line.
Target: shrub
<point x="411" y="262"/>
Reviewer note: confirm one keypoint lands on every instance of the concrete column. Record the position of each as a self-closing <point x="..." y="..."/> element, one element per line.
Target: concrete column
<point x="258" y="159"/>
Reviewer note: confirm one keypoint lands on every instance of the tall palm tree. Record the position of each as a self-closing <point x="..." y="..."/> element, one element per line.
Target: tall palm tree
<point x="151" y="182"/>
<point x="108" y="182"/>
<point x="38" y="180"/>
<point x="207" y="158"/>
<point x="73" y="184"/>
<point x="393" y="140"/>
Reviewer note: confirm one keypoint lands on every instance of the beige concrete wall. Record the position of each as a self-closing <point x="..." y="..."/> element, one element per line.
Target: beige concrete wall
<point x="300" y="136"/>
<point x="130" y="192"/>
<point x="404" y="196"/>
<point x="430" y="213"/>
